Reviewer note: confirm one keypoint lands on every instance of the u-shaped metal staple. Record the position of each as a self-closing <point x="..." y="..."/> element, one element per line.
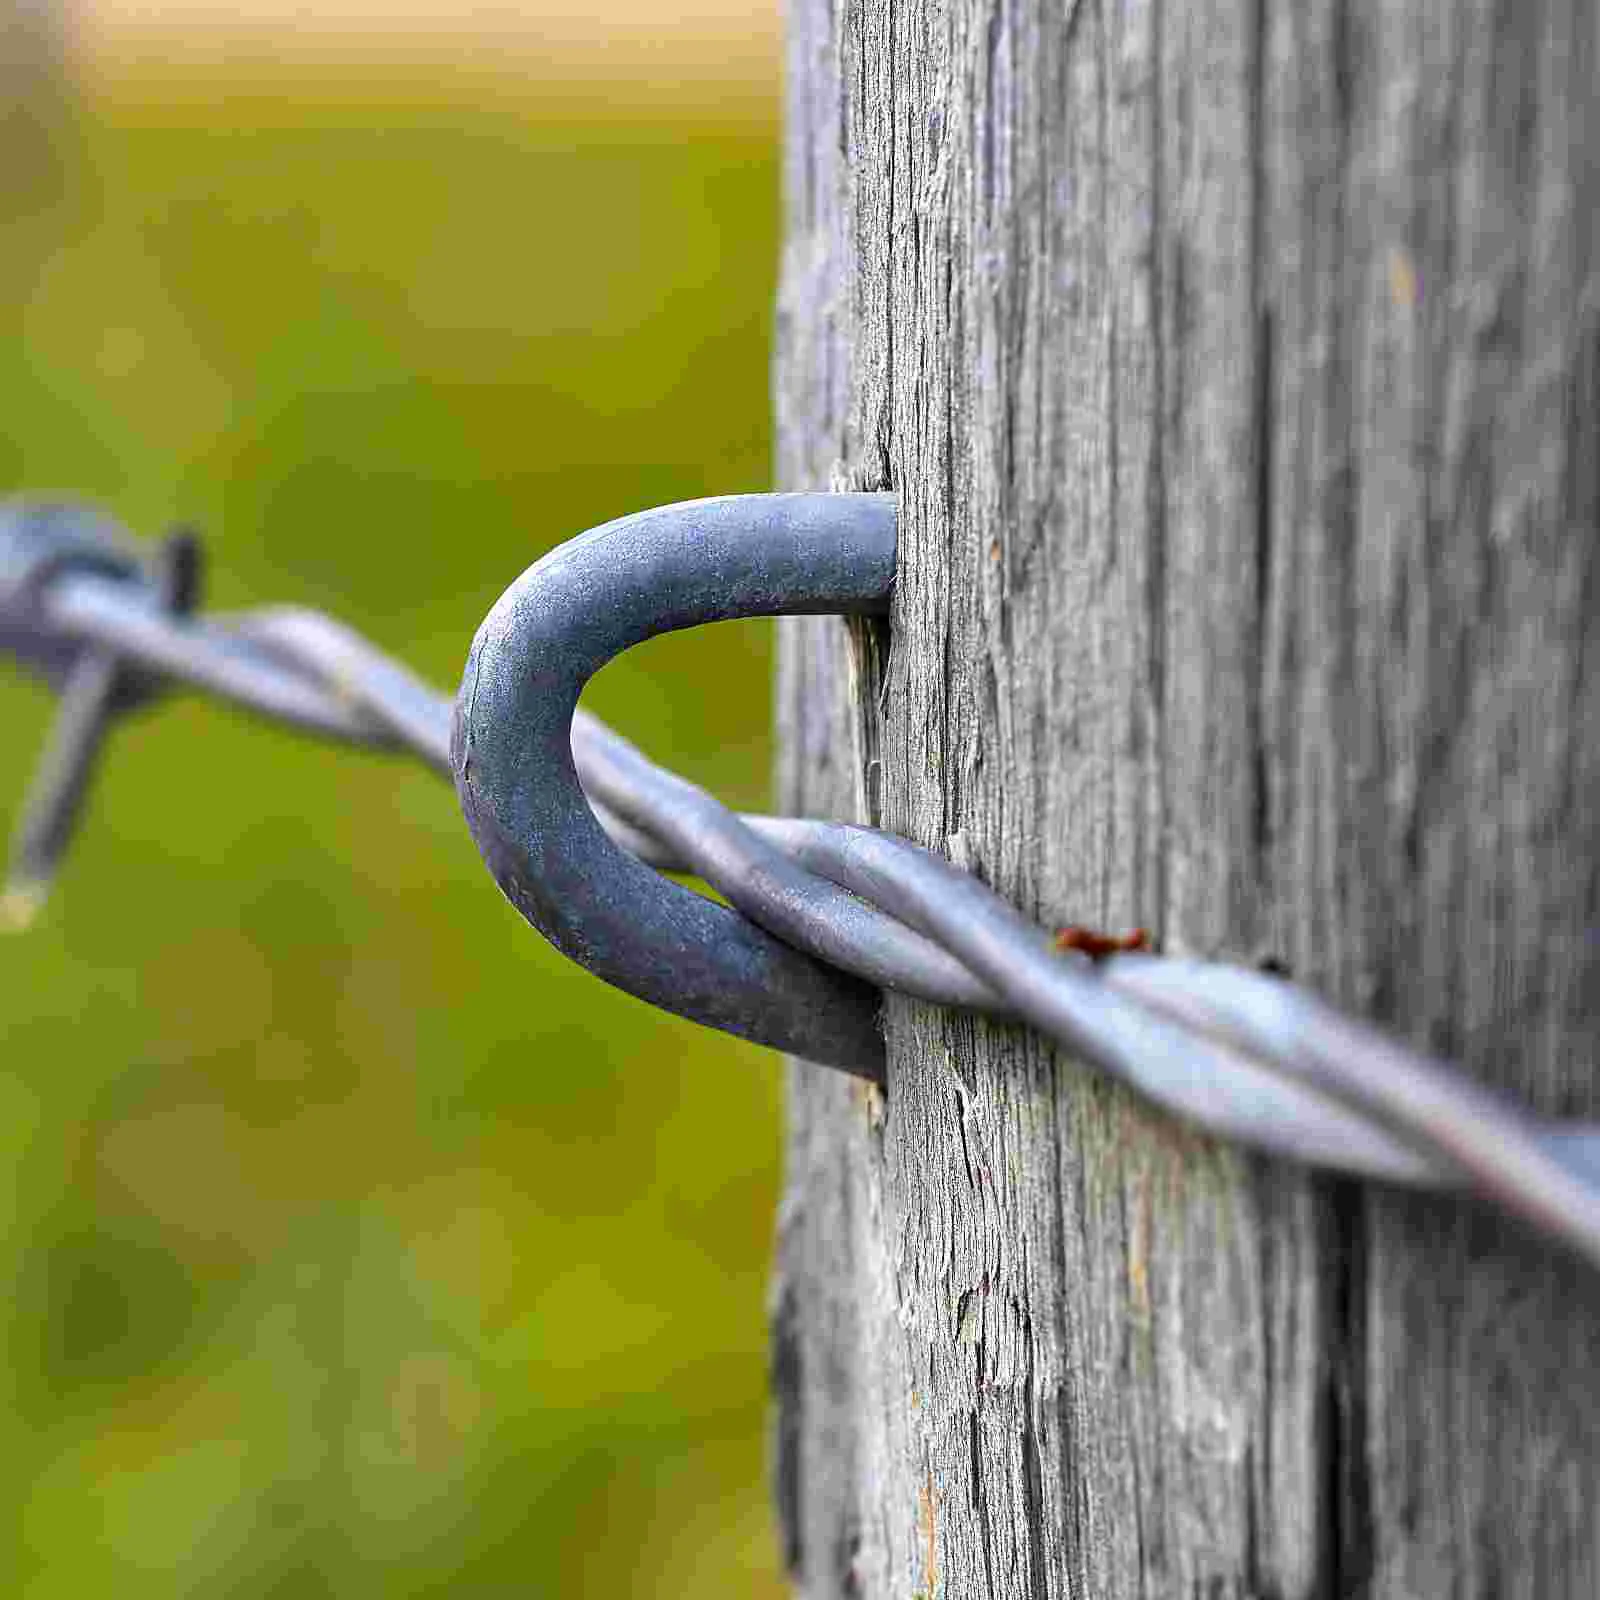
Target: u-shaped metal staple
<point x="511" y="752"/>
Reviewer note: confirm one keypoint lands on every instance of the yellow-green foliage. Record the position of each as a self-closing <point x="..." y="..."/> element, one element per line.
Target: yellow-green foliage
<point x="354" y="1244"/>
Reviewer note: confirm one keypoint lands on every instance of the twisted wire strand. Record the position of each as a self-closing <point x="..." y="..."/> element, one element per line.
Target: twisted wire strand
<point x="1246" y="1056"/>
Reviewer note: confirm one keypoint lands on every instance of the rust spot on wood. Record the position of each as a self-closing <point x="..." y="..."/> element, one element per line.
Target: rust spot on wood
<point x="1096" y="945"/>
<point x="1139" y="1252"/>
<point x="1404" y="288"/>
<point x="930" y="1548"/>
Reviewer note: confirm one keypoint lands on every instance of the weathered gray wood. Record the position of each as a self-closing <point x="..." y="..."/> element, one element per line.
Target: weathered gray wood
<point x="1238" y="367"/>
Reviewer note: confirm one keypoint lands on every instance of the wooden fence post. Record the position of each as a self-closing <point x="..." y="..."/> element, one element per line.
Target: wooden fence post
<point x="1237" y="365"/>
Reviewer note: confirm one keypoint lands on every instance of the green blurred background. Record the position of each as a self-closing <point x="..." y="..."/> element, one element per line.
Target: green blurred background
<point x="354" y="1243"/>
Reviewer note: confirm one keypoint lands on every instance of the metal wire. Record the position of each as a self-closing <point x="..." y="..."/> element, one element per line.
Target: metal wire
<point x="1244" y="1055"/>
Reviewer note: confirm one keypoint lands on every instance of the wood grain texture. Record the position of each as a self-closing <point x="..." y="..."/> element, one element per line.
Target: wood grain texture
<point x="1238" y="368"/>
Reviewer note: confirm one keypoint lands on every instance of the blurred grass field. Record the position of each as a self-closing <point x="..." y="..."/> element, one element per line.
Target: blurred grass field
<point x="354" y="1243"/>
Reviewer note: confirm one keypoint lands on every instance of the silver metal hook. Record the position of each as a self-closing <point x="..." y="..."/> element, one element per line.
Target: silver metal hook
<point x="511" y="752"/>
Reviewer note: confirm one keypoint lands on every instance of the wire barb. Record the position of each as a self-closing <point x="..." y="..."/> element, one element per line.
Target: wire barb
<point x="1248" y="1056"/>
<point x="100" y="685"/>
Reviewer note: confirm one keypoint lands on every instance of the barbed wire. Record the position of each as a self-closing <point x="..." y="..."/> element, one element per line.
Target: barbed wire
<point x="1245" y="1055"/>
